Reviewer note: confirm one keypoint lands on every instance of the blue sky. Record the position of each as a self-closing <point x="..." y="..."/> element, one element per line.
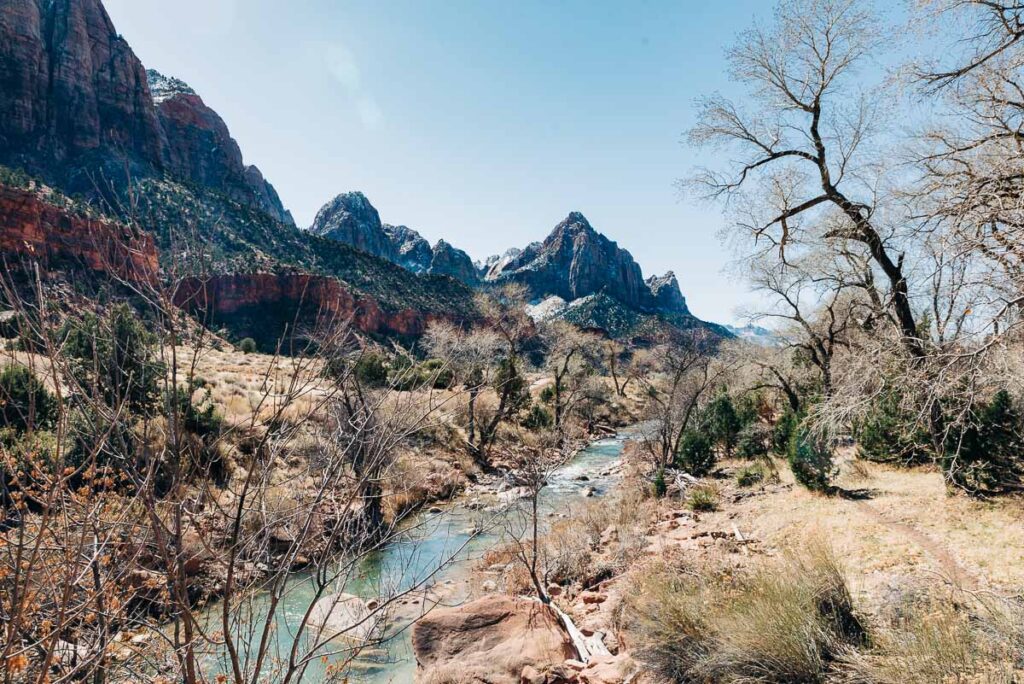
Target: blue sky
<point x="481" y="122"/>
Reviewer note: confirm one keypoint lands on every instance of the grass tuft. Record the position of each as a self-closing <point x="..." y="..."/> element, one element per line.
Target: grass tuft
<point x="785" y="620"/>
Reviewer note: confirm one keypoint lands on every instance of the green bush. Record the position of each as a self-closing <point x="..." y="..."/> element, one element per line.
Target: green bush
<point x="247" y="346"/>
<point x="890" y="434"/>
<point x="702" y="498"/>
<point x="199" y="418"/>
<point x="753" y="441"/>
<point x="696" y="453"/>
<point x="370" y="370"/>
<point x="538" y="418"/>
<point x="810" y="459"/>
<point x="782" y="432"/>
<point x="723" y="422"/>
<point x="753" y="474"/>
<point x="660" y="486"/>
<point x="987" y="458"/>
<point x="114" y="357"/>
<point x="510" y="382"/>
<point x="437" y="373"/>
<point x="25" y="403"/>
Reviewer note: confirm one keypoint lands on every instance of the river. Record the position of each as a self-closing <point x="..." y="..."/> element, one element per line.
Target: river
<point x="423" y="558"/>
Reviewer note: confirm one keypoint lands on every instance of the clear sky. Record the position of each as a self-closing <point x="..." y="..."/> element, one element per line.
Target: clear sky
<point x="479" y="121"/>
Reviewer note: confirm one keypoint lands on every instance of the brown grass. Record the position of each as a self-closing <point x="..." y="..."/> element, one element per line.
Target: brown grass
<point x="909" y="529"/>
<point x="944" y="637"/>
<point x="781" y="620"/>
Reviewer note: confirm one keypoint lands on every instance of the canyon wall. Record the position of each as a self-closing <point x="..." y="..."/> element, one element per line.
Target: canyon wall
<point x="58" y="239"/>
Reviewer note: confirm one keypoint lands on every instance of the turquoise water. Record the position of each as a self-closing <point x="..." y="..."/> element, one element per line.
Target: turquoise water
<point x="433" y="555"/>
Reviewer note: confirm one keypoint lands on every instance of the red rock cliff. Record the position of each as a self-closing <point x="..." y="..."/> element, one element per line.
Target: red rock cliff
<point x="33" y="228"/>
<point x="314" y="297"/>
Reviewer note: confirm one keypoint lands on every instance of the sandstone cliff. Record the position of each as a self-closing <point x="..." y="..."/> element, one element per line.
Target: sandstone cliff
<point x="201" y="149"/>
<point x="37" y="230"/>
<point x="72" y="93"/>
<point x="78" y="109"/>
<point x="262" y="305"/>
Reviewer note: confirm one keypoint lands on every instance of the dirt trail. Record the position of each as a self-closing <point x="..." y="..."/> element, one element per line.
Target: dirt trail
<point x="952" y="569"/>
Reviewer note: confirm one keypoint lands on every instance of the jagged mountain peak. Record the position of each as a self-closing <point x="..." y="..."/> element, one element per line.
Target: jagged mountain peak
<point x="666" y="293"/>
<point x="164" y="87"/>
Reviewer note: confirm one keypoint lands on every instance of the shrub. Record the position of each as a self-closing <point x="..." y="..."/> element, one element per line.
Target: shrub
<point x="25" y="403"/>
<point x="784" y="620"/>
<point x="538" y="418"/>
<point x="810" y="459"/>
<point x="696" y="453"/>
<point x="889" y="433"/>
<point x="370" y="370"/>
<point x="723" y="422"/>
<point x="986" y="458"/>
<point x="753" y="474"/>
<point x="933" y="639"/>
<point x="702" y="498"/>
<point x="199" y="418"/>
<point x="782" y="432"/>
<point x="660" y="486"/>
<point x="437" y="373"/>
<point x="753" y="441"/>
<point x="114" y="355"/>
<point x="247" y="346"/>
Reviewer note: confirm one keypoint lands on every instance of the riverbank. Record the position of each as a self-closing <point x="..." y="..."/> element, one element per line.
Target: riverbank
<point x="895" y="544"/>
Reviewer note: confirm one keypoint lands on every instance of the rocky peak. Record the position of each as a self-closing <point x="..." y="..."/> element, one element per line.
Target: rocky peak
<point x="451" y="261"/>
<point x="164" y="87"/>
<point x="575" y="261"/>
<point x="200" y="147"/>
<point x="413" y="252"/>
<point x="74" y="97"/>
<point x="350" y="218"/>
<point x="666" y="294"/>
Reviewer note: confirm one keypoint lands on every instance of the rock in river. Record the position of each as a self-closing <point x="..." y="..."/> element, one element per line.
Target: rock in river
<point x="491" y="640"/>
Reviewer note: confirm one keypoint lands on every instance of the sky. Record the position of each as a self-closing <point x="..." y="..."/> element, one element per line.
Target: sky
<point x="481" y="122"/>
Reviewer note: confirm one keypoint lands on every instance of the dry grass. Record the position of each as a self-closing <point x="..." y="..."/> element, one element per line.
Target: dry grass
<point x="781" y="620"/>
<point x="909" y="529"/>
<point x="702" y="498"/>
<point x="949" y="637"/>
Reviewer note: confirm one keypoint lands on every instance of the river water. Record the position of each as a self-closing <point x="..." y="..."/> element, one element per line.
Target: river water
<point x="423" y="558"/>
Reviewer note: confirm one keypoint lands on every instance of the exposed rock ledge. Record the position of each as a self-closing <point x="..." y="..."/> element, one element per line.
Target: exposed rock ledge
<point x="493" y="640"/>
<point x="52" y="236"/>
<point x="257" y="299"/>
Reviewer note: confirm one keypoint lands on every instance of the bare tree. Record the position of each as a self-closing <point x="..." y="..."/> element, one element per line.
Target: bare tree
<point x="801" y="151"/>
<point x="571" y="355"/>
<point x="686" y="373"/>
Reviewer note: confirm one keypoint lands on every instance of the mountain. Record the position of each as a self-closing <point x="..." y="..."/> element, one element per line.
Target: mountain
<point x="452" y="261"/>
<point x="414" y="253"/>
<point x="79" y="110"/>
<point x="80" y="113"/>
<point x="756" y="334"/>
<point x="73" y="94"/>
<point x="200" y="148"/>
<point x="92" y="143"/>
<point x="576" y="261"/>
<point x="351" y="219"/>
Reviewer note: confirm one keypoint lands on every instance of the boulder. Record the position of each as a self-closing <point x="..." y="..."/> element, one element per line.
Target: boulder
<point x="606" y="669"/>
<point x="493" y="640"/>
<point x="344" y="616"/>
